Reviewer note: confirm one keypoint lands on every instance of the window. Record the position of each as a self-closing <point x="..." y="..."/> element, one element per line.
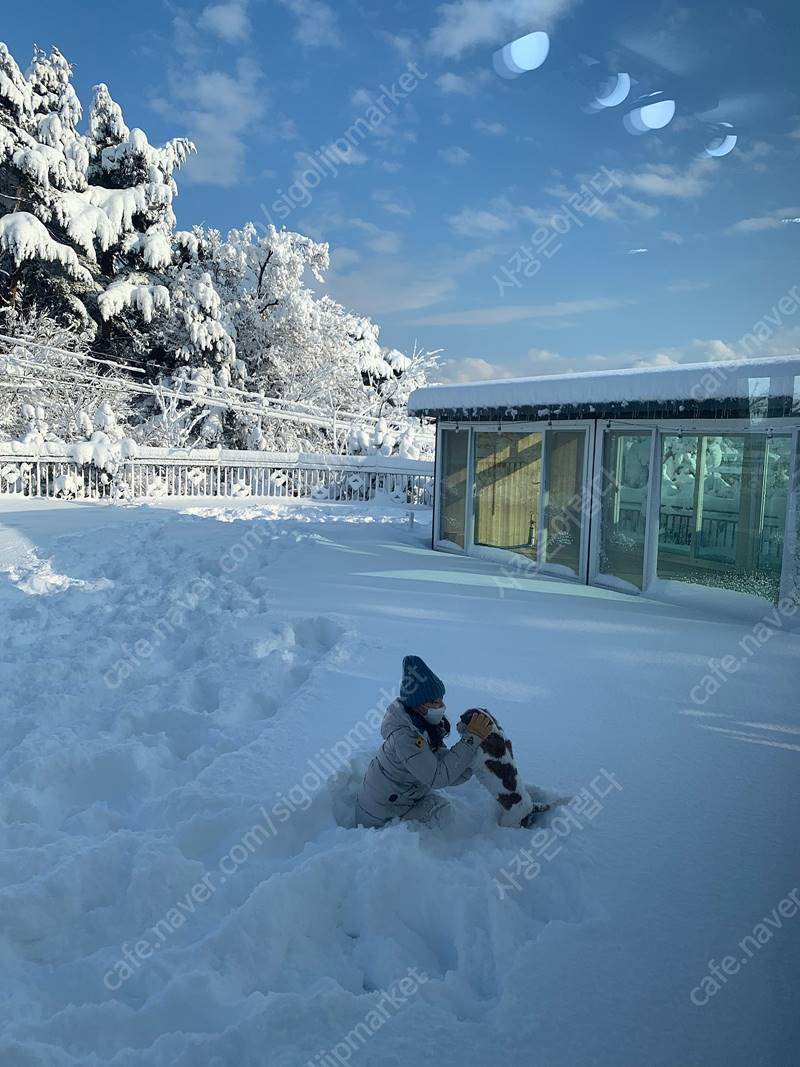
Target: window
<point x="623" y="505"/>
<point x="723" y="510"/>
<point x="564" y="498"/>
<point x="453" y="486"/>
<point x="508" y="474"/>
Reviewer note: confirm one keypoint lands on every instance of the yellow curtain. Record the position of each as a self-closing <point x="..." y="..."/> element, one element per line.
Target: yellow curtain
<point x="508" y="471"/>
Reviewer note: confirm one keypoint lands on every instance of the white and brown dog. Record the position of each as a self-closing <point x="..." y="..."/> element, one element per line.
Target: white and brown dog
<point x="494" y="767"/>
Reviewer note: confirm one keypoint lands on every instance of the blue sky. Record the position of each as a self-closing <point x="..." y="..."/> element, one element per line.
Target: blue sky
<point x="680" y="258"/>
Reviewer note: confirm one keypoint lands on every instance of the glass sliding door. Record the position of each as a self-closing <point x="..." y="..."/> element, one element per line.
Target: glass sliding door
<point x="453" y="473"/>
<point x="723" y="510"/>
<point x="564" y="498"/>
<point x="777" y="485"/>
<point x="508" y="474"/>
<point x="623" y="505"/>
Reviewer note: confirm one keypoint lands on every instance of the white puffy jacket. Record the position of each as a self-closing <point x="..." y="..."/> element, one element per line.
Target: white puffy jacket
<point x="406" y="769"/>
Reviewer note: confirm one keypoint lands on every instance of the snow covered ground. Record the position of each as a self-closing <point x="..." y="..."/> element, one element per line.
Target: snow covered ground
<point x="178" y="883"/>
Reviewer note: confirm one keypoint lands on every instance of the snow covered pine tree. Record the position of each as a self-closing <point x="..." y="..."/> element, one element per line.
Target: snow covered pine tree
<point x="88" y="237"/>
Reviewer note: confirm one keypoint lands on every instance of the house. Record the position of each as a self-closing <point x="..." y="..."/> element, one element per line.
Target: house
<point x="636" y="480"/>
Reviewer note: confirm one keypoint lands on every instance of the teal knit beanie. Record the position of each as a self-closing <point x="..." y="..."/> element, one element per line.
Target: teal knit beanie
<point x="419" y="684"/>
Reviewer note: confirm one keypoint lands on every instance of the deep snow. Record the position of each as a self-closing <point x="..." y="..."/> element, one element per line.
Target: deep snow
<point x="128" y="776"/>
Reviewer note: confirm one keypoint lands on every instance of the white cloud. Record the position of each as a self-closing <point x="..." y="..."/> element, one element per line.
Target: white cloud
<point x="343" y="257"/>
<point x="403" y="44"/>
<point x="471" y="223"/>
<point x="396" y="130"/>
<point x="695" y="351"/>
<point x="672" y="237"/>
<point x="383" y="286"/>
<point x="361" y="98"/>
<point x="469" y="369"/>
<point x="316" y="24"/>
<point x="607" y="207"/>
<point x="776" y="220"/>
<point x="754" y="16"/>
<point x="664" y="180"/>
<point x="385" y="242"/>
<point x="286" y="129"/>
<point x="660" y="359"/>
<point x="753" y="154"/>
<point x="227" y="20"/>
<point x="707" y="350"/>
<point x="500" y="214"/>
<point x="541" y="361"/>
<point x="393" y="203"/>
<point x="221" y="109"/>
<point x="464" y="24"/>
<point x="456" y="84"/>
<point x="637" y="251"/>
<point x="755" y="225"/>
<point x="349" y="157"/>
<point x="455" y="155"/>
<point x="501" y="314"/>
<point x="491" y="129"/>
<point x="624" y="206"/>
<point x="535" y="362"/>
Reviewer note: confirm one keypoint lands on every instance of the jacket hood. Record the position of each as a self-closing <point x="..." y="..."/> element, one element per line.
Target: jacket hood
<point x="396" y="715"/>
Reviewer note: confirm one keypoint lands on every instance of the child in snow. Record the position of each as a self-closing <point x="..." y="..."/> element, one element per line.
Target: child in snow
<point x="413" y="760"/>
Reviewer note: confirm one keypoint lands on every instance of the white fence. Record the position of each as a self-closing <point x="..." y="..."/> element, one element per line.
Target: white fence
<point x="155" y="473"/>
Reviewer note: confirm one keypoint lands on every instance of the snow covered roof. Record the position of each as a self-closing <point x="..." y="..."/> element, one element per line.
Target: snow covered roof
<point x="698" y="384"/>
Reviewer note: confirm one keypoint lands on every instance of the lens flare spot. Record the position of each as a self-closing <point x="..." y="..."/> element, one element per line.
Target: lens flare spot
<point x="520" y="56"/>
<point x="614" y="91"/>
<point x="649" y="117"/>
<point x="723" y="143"/>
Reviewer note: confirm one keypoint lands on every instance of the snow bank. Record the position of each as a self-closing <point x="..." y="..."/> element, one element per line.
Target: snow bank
<point x="187" y="704"/>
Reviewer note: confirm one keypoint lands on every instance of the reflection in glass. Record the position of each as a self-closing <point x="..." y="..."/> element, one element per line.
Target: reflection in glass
<point x="613" y="92"/>
<point x="508" y="473"/>
<point x="723" y="511"/>
<point x="524" y="54"/>
<point x="453" y="486"/>
<point x="649" y="117"/>
<point x="723" y="143"/>
<point x="564" y="498"/>
<point x="623" y="520"/>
